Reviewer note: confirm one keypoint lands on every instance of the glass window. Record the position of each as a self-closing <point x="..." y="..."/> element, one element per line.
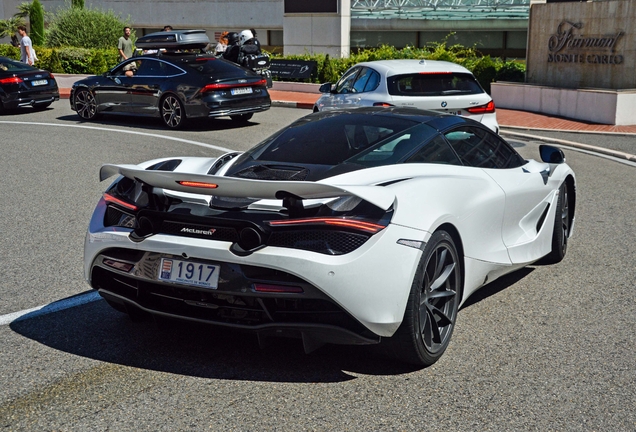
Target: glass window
<point x="478" y="39"/>
<point x="398" y="39"/>
<point x="394" y="148"/>
<point x="480" y="148"/>
<point x="374" y="81"/>
<point x="361" y="80"/>
<point x="516" y="39"/>
<point x="436" y="151"/>
<point x="345" y="85"/>
<point x="329" y="140"/>
<point x="433" y="84"/>
<point x="149" y="67"/>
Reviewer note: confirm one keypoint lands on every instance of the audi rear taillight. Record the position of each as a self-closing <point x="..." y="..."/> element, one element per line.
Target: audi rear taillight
<point x="483" y="109"/>
<point x="227" y="86"/>
<point x="11" y="80"/>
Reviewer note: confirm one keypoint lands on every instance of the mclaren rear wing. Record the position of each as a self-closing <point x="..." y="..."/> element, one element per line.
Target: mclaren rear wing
<point x="203" y="184"/>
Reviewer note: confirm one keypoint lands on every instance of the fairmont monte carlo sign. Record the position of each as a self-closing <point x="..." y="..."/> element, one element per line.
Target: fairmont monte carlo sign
<point x="568" y="45"/>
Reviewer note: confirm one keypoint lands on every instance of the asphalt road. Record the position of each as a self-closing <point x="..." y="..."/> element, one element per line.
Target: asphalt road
<point x="546" y="348"/>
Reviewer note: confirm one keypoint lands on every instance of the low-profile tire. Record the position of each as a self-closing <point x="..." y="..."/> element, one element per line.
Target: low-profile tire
<point x="561" y="228"/>
<point x="431" y="310"/>
<point x="172" y="112"/>
<point x="241" y="118"/>
<point x="85" y="104"/>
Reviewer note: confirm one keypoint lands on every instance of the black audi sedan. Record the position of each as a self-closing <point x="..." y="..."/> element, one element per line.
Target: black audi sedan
<point x="174" y="85"/>
<point x="24" y="86"/>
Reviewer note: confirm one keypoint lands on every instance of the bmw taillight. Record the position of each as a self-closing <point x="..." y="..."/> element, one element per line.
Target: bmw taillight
<point x="11" y="80"/>
<point x="483" y="109"/>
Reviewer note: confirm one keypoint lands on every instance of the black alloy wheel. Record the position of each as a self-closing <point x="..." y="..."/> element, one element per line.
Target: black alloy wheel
<point x="432" y="307"/>
<point x="561" y="228"/>
<point x="241" y="118"/>
<point x="85" y="104"/>
<point x="172" y="112"/>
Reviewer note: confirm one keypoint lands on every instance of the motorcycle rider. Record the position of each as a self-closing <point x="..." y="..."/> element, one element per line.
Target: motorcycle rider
<point x="249" y="46"/>
<point x="233" y="49"/>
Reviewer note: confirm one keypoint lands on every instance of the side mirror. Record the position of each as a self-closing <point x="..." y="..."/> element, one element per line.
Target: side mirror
<point x="550" y="154"/>
<point x="325" y="88"/>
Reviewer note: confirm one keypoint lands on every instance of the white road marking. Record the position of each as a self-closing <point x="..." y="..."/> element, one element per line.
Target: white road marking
<point x="90" y="296"/>
<point x="56" y="306"/>
<point x="197" y="143"/>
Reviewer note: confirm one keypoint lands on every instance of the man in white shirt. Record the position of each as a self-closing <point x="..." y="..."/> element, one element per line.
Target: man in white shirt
<point x="27" y="53"/>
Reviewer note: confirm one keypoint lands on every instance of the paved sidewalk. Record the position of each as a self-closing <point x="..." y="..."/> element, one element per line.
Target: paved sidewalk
<point x="506" y="118"/>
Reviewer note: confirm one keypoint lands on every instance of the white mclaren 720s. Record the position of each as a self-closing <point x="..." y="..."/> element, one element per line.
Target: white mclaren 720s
<point x="361" y="226"/>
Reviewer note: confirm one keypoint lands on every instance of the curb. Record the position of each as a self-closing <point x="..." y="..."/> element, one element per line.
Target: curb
<point x="608" y="152"/>
<point x="287" y="104"/>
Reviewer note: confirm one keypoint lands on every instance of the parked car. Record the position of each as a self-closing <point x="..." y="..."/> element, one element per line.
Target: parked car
<point x="425" y="84"/>
<point x="176" y="83"/>
<point x="24" y="86"/>
<point x="360" y="226"/>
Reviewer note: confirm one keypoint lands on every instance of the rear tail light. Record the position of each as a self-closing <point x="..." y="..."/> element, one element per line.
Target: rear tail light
<point x="483" y="109"/>
<point x="355" y="224"/>
<point x="11" y="80"/>
<point x="112" y="199"/>
<point x="51" y="75"/>
<point x="383" y="104"/>
<point x="226" y="86"/>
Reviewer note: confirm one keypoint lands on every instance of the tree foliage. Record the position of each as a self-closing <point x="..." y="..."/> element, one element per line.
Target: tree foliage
<point x="85" y="28"/>
<point x="36" y="17"/>
<point x="9" y="28"/>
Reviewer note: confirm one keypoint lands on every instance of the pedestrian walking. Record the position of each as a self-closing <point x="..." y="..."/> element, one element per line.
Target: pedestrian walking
<point x="27" y="53"/>
<point x="125" y="45"/>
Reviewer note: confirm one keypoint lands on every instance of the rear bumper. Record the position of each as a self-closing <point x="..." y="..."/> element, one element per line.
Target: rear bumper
<point x="23" y="100"/>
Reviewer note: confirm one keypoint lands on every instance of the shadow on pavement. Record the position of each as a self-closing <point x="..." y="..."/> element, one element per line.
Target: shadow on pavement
<point x="96" y="331"/>
<point x="497" y="286"/>
<point x="155" y="124"/>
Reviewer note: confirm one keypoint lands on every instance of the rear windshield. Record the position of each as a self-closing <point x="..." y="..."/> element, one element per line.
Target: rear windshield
<point x="432" y="84"/>
<point x="329" y="140"/>
<point x="218" y="68"/>
<point x="13" y="66"/>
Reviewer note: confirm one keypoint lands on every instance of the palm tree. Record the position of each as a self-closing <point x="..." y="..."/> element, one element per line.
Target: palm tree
<point x="24" y="10"/>
<point x="9" y="27"/>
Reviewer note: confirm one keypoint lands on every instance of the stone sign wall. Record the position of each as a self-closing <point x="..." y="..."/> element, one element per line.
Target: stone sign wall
<point x="583" y="45"/>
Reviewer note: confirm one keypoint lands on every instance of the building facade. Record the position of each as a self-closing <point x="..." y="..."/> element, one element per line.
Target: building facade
<point x="496" y="27"/>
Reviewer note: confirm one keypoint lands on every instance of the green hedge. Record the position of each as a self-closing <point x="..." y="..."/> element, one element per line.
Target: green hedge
<point x="69" y="60"/>
<point x="485" y="68"/>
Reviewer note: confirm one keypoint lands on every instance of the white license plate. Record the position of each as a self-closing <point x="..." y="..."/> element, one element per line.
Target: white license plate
<point x="39" y="83"/>
<point x="241" y="90"/>
<point x="189" y="273"/>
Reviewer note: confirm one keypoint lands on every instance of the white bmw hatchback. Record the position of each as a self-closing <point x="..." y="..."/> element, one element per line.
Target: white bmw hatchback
<point x="425" y="84"/>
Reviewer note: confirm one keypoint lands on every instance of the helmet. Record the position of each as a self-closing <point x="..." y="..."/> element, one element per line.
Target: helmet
<point x="232" y="38"/>
<point x="244" y="36"/>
